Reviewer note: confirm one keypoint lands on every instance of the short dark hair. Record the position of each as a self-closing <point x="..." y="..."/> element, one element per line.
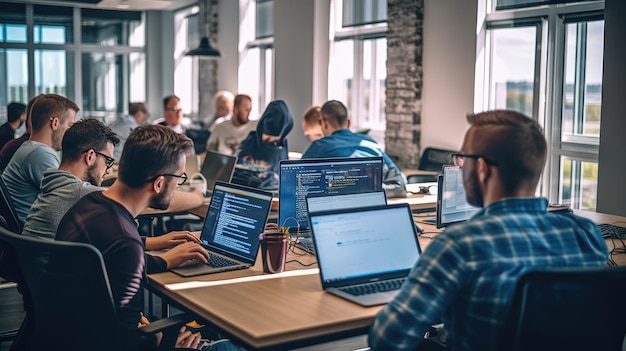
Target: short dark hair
<point x="167" y="99"/>
<point x="150" y="151"/>
<point x="84" y="135"/>
<point x="335" y="113"/>
<point x="135" y="107"/>
<point x="513" y="140"/>
<point x="47" y="106"/>
<point x="15" y="110"/>
<point x="239" y="99"/>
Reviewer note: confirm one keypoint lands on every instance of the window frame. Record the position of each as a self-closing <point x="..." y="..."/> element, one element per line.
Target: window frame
<point x="549" y="81"/>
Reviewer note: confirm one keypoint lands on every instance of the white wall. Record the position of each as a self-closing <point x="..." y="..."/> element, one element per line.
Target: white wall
<point x="300" y="57"/>
<point x="449" y="56"/>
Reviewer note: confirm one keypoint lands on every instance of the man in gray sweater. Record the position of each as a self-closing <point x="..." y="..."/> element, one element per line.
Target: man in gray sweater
<point x="87" y="149"/>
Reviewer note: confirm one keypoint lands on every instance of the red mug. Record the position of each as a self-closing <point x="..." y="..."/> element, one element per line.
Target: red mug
<point x="273" y="251"/>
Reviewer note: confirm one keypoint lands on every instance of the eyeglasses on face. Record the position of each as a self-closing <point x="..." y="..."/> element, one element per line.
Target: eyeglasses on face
<point x="183" y="177"/>
<point x="458" y="159"/>
<point x="175" y="110"/>
<point x="109" y="160"/>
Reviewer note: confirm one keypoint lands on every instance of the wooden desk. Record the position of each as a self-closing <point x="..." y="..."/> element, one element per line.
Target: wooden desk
<point x="247" y="310"/>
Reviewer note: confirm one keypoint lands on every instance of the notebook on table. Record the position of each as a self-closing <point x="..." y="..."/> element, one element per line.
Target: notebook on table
<point x="364" y="255"/>
<point x="217" y="166"/>
<point x="325" y="202"/>
<point x="230" y="233"/>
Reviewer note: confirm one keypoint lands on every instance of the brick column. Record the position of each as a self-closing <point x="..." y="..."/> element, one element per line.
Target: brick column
<point x="404" y="81"/>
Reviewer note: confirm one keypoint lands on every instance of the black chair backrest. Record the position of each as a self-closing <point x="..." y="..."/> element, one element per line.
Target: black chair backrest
<point x="199" y="137"/>
<point x="7" y="211"/>
<point x="434" y="159"/>
<point x="567" y="310"/>
<point x="70" y="294"/>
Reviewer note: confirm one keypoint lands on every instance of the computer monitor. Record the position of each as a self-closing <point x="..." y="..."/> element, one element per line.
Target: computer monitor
<point x="452" y="206"/>
<point x="299" y="178"/>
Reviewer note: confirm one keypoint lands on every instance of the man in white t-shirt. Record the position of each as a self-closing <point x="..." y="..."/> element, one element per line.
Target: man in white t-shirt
<point x="228" y="135"/>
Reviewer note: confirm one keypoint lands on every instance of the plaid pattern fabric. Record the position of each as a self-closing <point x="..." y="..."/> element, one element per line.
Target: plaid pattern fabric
<point x="467" y="275"/>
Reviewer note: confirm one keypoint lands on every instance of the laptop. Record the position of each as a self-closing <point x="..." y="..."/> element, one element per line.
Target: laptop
<point x="452" y="206"/>
<point x="364" y="255"/>
<point x="325" y="202"/>
<point x="217" y="166"/>
<point x="302" y="178"/>
<point x="230" y="233"/>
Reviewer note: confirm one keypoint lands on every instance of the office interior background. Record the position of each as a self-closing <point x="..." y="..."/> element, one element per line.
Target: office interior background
<point x="408" y="70"/>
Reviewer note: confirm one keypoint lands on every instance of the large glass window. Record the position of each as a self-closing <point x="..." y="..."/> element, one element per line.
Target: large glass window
<point x="546" y="62"/>
<point x="256" y="70"/>
<point x="513" y="52"/>
<point x="358" y="60"/>
<point x="48" y="62"/>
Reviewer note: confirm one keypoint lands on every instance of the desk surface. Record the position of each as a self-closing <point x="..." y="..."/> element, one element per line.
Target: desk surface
<point x="284" y="310"/>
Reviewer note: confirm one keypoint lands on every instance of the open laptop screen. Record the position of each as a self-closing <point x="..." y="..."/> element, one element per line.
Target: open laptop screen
<point x="452" y="206"/>
<point x="216" y="167"/>
<point x="299" y="178"/>
<point x="234" y="220"/>
<point x="365" y="242"/>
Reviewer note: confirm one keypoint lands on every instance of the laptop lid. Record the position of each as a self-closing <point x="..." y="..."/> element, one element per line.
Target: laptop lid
<point x="452" y="206"/>
<point x="217" y="166"/>
<point x="300" y="178"/>
<point x="356" y="246"/>
<point x="234" y="220"/>
<point x="328" y="202"/>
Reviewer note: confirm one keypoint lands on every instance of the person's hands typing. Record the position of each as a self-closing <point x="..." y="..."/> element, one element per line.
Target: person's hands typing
<point x="170" y="239"/>
<point x="187" y="339"/>
<point x="183" y="253"/>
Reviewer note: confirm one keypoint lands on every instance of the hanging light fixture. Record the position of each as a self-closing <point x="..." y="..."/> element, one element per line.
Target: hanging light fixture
<point x="205" y="48"/>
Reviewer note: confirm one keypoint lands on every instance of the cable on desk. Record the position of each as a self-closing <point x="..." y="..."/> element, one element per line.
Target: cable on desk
<point x="428" y="235"/>
<point x="302" y="264"/>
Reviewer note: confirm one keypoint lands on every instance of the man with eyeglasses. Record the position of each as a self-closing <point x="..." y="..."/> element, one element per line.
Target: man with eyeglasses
<point x="172" y="114"/>
<point x="87" y="148"/>
<point x="467" y="275"/>
<point x="151" y="167"/>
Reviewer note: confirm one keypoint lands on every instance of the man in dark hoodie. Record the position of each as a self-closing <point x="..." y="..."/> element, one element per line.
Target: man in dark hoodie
<point x="261" y="152"/>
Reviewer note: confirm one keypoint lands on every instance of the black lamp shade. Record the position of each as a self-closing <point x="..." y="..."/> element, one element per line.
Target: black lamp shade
<point x="205" y="49"/>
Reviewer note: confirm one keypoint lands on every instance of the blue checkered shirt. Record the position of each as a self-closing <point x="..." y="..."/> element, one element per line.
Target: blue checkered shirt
<point x="467" y="275"/>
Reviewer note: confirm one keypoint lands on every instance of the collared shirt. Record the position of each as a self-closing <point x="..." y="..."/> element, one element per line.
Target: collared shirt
<point x="467" y="275"/>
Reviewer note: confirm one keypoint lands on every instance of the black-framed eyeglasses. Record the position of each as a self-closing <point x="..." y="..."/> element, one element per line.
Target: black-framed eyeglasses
<point x="457" y="158"/>
<point x="109" y="160"/>
<point x="175" y="110"/>
<point x="183" y="177"/>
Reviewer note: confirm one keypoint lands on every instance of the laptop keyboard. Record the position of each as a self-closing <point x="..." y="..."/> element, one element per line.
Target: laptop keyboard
<point x="219" y="261"/>
<point x="372" y="288"/>
<point x="612" y="231"/>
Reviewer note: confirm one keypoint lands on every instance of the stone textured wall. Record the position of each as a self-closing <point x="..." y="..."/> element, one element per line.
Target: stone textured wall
<point x="207" y="68"/>
<point x="404" y="81"/>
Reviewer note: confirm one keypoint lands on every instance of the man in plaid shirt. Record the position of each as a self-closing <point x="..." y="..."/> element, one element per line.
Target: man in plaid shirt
<point x="467" y="275"/>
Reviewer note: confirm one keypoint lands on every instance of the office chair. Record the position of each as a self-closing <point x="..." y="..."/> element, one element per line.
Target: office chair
<point x="199" y="137"/>
<point x="7" y="211"/>
<point x="567" y="309"/>
<point x="68" y="297"/>
<point x="433" y="160"/>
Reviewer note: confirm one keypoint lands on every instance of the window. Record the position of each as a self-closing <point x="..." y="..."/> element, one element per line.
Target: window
<point x="546" y="62"/>
<point x="102" y="86"/>
<point x="256" y="71"/>
<point x="358" y="61"/>
<point x="186" y="69"/>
